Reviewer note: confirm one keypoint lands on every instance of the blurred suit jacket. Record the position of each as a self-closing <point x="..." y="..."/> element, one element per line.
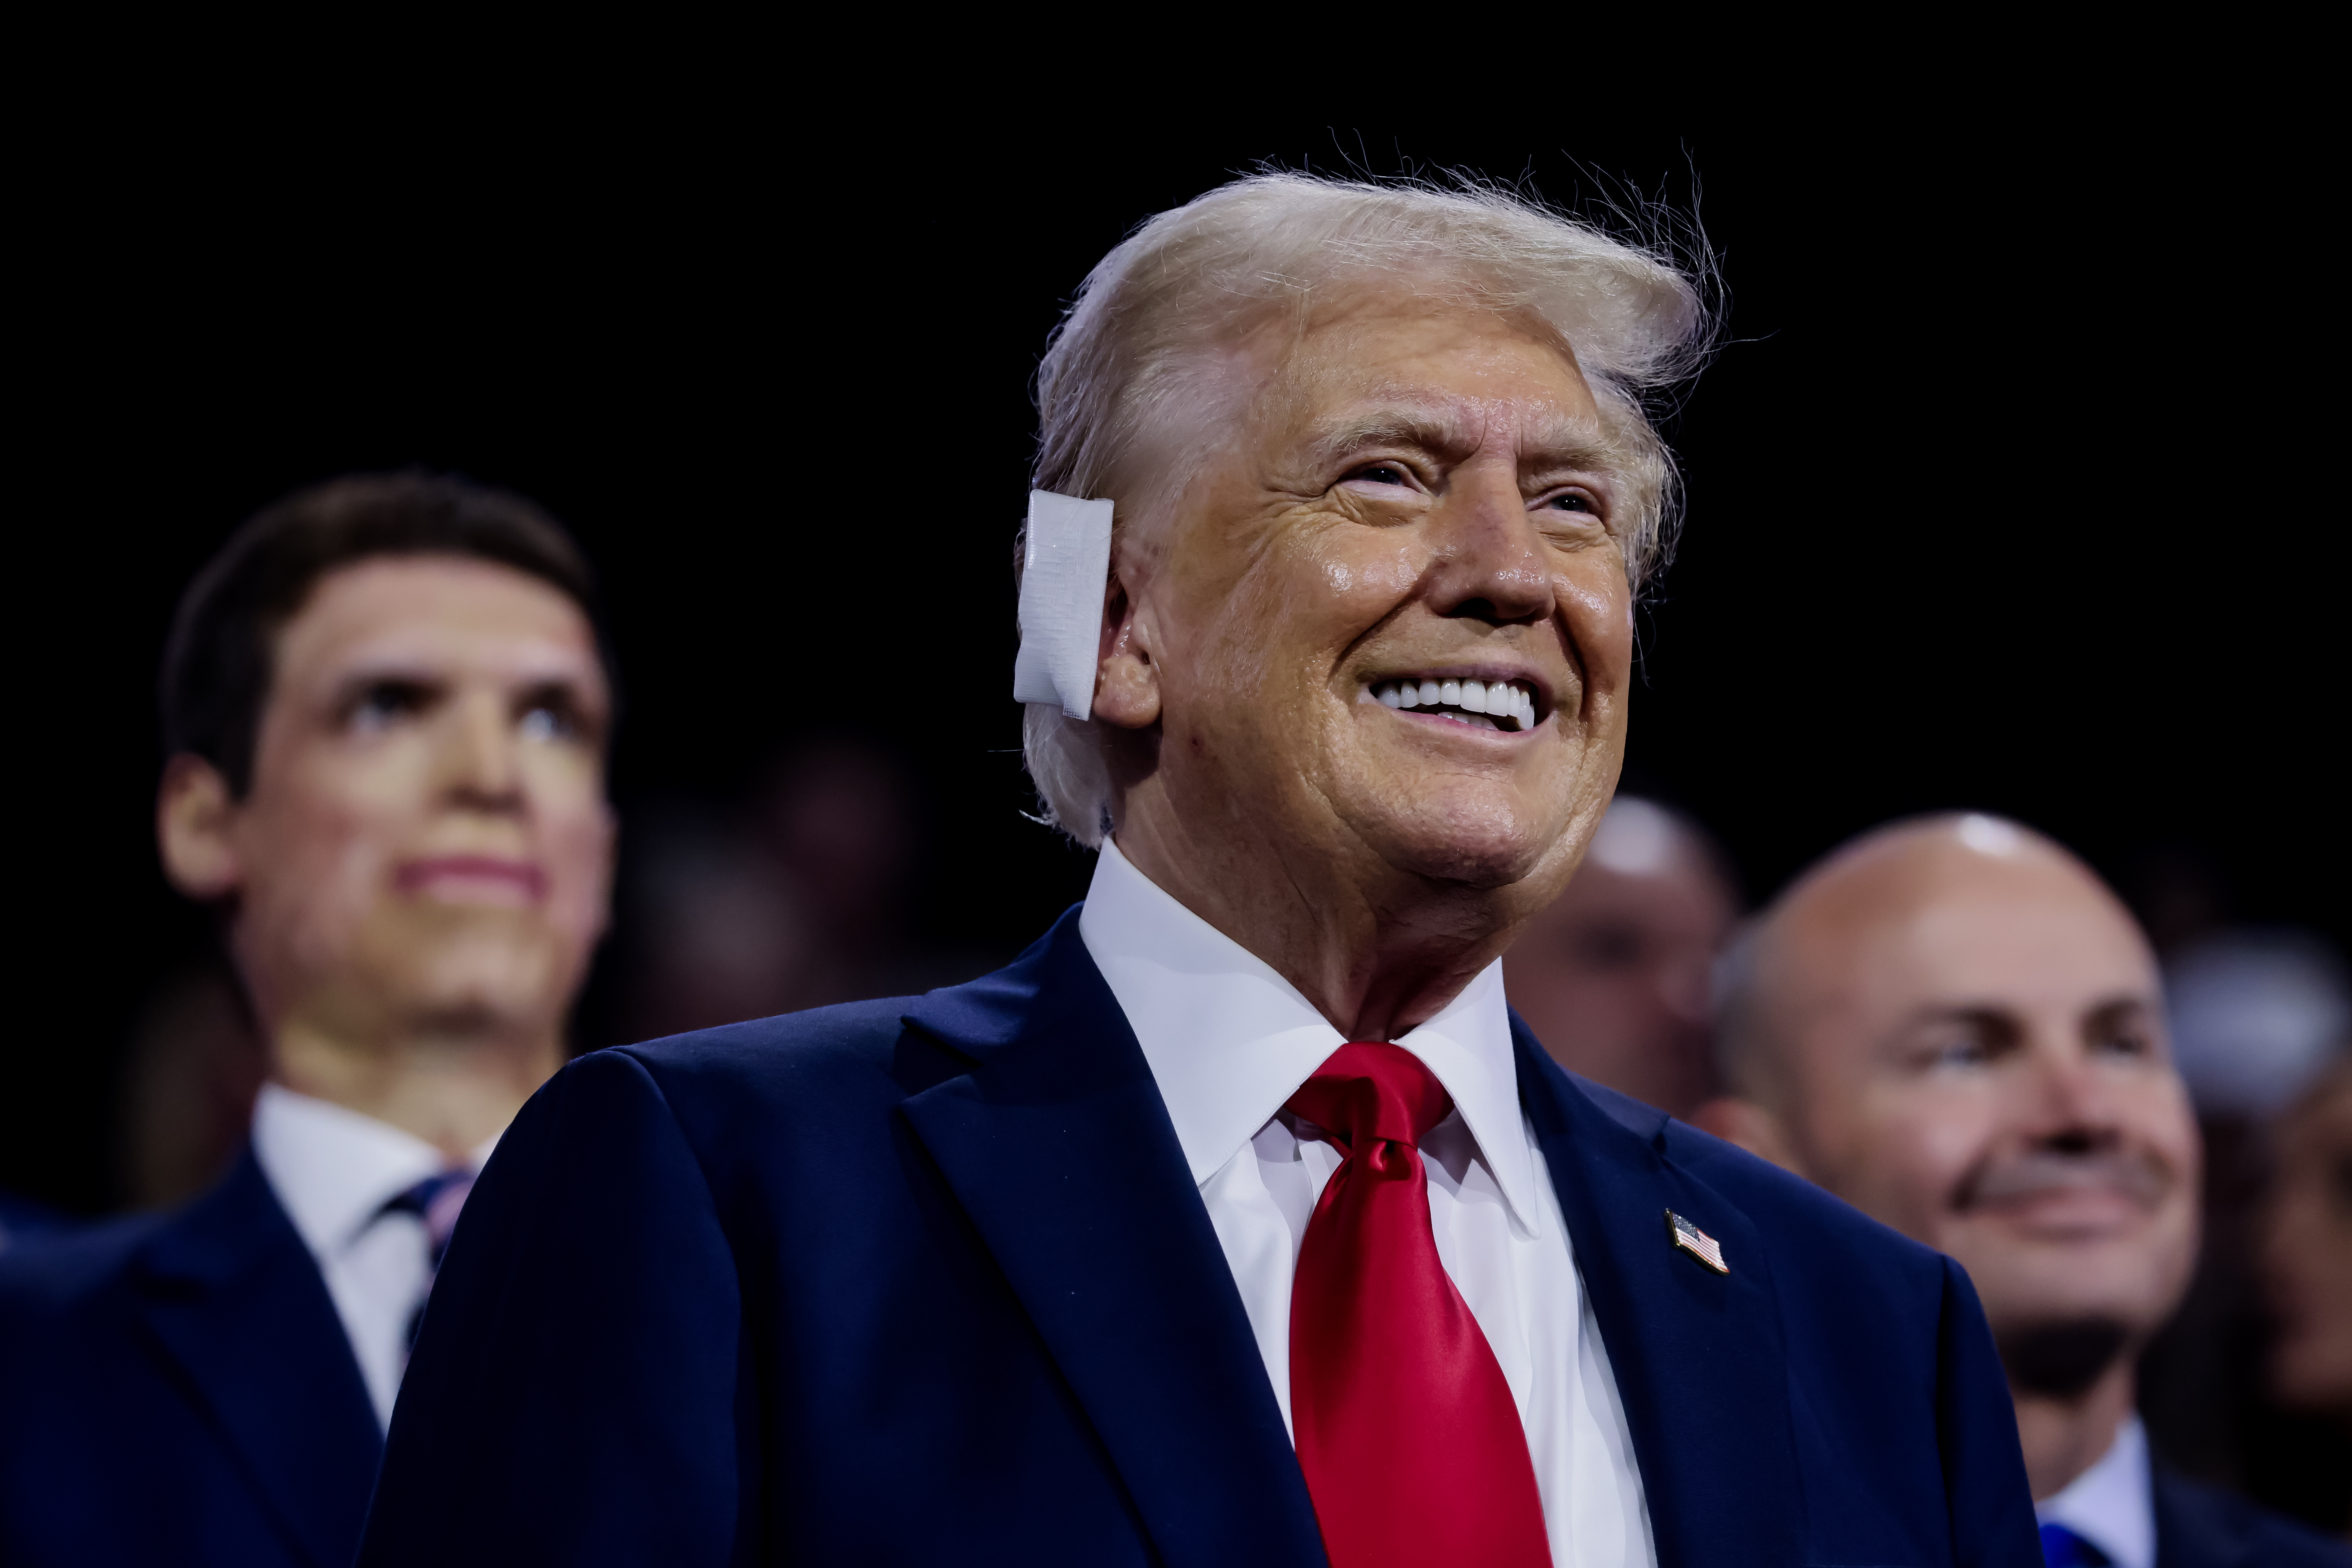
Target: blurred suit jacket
<point x="928" y="1281"/>
<point x="2204" y="1527"/>
<point x="178" y="1390"/>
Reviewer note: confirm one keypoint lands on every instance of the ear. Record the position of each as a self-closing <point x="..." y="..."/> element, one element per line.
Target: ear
<point x="194" y="815"/>
<point x="1127" y="679"/>
<point x="1752" y="1127"/>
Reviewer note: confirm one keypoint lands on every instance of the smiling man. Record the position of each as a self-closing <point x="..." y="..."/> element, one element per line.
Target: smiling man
<point x="384" y="711"/>
<point x="1236" y="1222"/>
<point x="1954" y="1025"/>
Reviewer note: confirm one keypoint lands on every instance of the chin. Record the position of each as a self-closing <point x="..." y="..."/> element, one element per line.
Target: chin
<point x="513" y="976"/>
<point x="1477" y="845"/>
<point x="2057" y="1285"/>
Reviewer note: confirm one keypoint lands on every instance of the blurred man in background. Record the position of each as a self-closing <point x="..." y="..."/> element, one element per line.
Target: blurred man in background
<point x="1614" y="977"/>
<point x="796" y="899"/>
<point x="385" y="708"/>
<point x="1954" y="1025"/>
<point x="2306" y="1255"/>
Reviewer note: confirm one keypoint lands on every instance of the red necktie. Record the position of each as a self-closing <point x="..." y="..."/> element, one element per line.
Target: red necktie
<point x="1406" y="1430"/>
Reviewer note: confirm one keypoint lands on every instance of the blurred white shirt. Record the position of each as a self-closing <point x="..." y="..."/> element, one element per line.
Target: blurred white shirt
<point x="1229" y="1040"/>
<point x="2111" y="1505"/>
<point x="333" y="1169"/>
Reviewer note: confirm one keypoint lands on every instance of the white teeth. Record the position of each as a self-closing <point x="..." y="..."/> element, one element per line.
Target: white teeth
<point x="1501" y="698"/>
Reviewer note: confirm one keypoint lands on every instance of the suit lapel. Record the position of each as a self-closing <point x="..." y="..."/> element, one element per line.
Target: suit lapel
<point x="236" y="1301"/>
<point x="1699" y="1356"/>
<point x="1057" y="1146"/>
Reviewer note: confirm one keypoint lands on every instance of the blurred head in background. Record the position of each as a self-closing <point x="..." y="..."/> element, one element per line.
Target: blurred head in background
<point x="1954" y="1025"/>
<point x="2306" y="1251"/>
<point x="795" y="898"/>
<point x="385" y="708"/>
<point x="1614" y="977"/>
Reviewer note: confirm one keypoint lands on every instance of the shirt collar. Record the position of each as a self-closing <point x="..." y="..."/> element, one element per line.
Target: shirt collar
<point x="2111" y="1505"/>
<point x="1229" y="1040"/>
<point x="334" y="1169"/>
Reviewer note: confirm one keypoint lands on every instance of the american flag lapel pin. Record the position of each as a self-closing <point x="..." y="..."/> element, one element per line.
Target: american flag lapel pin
<point x="1696" y="1242"/>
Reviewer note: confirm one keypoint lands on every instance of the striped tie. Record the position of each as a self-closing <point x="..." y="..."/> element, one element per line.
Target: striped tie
<point x="436" y="1201"/>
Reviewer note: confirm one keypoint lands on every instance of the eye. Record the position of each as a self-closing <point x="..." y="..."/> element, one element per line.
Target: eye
<point x="1610" y="948"/>
<point x="1570" y="501"/>
<point x="381" y="704"/>
<point x="1380" y="474"/>
<point x="2123" y="1043"/>
<point x="553" y="714"/>
<point x="1957" y="1053"/>
<point x="545" y="723"/>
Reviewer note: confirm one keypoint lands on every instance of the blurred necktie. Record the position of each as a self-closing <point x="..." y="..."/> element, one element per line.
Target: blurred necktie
<point x="1406" y="1430"/>
<point x="436" y="1201"/>
<point x="2062" y="1548"/>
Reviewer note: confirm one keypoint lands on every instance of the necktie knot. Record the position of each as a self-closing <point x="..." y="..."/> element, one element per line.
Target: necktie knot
<point x="1407" y="1433"/>
<point x="1371" y="1090"/>
<point x="436" y="1201"/>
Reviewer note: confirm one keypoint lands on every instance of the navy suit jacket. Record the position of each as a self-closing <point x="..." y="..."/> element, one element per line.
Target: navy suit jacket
<point x="178" y="1390"/>
<point x="928" y="1282"/>
<point x="2204" y="1527"/>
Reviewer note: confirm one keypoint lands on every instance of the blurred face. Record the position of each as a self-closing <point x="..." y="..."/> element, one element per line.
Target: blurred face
<point x="1389" y="623"/>
<point x="426" y="838"/>
<point x="2307" y="1257"/>
<point x="1613" y="976"/>
<point x="1982" y="1064"/>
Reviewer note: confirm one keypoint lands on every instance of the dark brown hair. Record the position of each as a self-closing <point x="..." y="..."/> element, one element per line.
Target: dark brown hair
<point x="219" y="662"/>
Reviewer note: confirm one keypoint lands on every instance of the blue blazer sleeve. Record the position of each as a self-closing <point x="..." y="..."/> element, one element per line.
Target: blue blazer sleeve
<point x="595" y="1408"/>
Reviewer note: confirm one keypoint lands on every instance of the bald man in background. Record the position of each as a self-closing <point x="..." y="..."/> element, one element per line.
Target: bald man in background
<point x="1614" y="977"/>
<point x="1953" y="1024"/>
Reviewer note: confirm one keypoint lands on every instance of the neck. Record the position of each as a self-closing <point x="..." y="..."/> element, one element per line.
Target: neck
<point x="452" y="1087"/>
<point x="1376" y="962"/>
<point x="2065" y="1437"/>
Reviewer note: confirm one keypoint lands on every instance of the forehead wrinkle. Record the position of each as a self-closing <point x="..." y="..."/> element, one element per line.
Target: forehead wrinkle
<point x="1456" y="428"/>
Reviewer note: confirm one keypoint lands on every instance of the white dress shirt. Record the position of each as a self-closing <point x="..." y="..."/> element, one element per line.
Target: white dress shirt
<point x="333" y="1169"/>
<point x="2111" y="1505"/>
<point x="1229" y="1040"/>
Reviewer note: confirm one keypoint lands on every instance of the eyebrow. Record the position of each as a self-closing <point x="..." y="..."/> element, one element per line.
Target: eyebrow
<point x="1439" y="430"/>
<point x="2107" y="1011"/>
<point x="2115" y="1010"/>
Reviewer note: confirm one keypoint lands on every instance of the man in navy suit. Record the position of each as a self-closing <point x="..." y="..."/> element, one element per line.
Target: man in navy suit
<point x="384" y="709"/>
<point x="1955" y="1026"/>
<point x="1237" y="1221"/>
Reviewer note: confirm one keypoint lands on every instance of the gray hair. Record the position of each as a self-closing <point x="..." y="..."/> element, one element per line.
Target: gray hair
<point x="1124" y="381"/>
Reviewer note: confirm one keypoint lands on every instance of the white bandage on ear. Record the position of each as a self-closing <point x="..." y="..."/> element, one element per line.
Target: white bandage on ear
<point x="1064" y="567"/>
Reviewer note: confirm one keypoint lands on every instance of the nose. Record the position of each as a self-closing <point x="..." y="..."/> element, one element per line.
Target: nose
<point x="1491" y="563"/>
<point x="480" y="763"/>
<point x="2076" y="1104"/>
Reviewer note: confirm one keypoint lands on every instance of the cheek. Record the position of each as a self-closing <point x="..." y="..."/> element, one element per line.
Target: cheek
<point x="575" y="841"/>
<point x="1274" y="629"/>
<point x="1920" y="1153"/>
<point x="334" y="840"/>
<point x="1599" y="610"/>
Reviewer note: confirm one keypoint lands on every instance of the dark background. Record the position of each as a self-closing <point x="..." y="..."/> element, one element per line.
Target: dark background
<point x="2009" y="488"/>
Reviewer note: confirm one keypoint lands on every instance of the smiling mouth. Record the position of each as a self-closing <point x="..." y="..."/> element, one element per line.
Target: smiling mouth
<point x="1506" y="705"/>
<point x="472" y="880"/>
